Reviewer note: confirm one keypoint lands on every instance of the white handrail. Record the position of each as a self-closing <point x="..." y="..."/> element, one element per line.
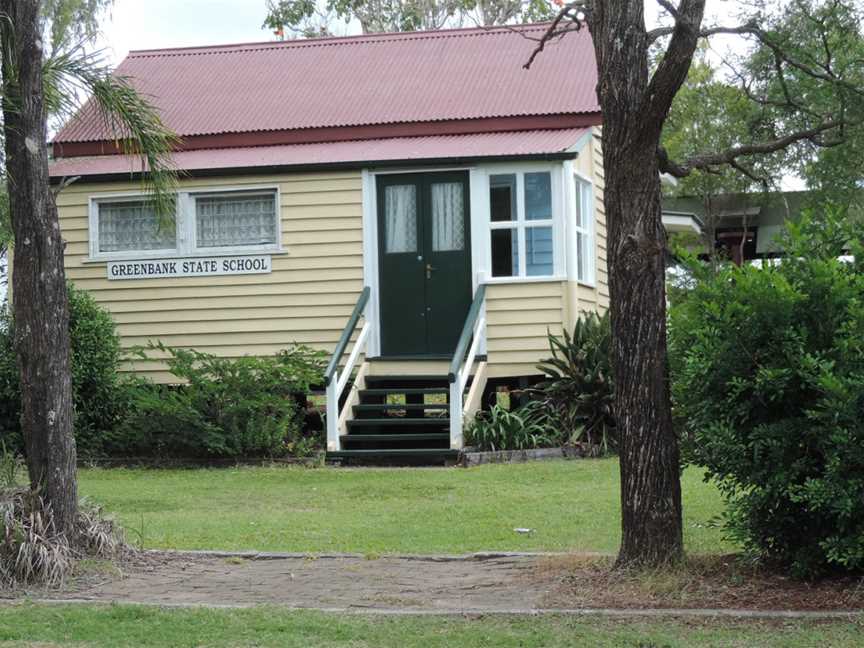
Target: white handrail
<point x="337" y="385"/>
<point x="457" y="387"/>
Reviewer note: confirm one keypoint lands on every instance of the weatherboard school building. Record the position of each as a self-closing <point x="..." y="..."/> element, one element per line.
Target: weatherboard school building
<point x="418" y="203"/>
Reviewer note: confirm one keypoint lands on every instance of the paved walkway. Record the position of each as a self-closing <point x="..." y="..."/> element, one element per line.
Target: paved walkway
<point x="471" y="584"/>
<point x="482" y="583"/>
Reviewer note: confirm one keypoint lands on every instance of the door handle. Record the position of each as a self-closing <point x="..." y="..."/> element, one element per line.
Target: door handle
<point x="429" y="270"/>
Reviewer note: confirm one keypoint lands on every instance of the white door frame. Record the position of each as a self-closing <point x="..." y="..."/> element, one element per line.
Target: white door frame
<point x="371" y="275"/>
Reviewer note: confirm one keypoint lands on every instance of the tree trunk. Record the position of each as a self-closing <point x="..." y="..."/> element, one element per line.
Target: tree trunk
<point x="632" y="123"/>
<point x="40" y="306"/>
<point x="651" y="528"/>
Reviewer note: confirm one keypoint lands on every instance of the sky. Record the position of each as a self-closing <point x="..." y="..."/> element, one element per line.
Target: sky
<point x="151" y="24"/>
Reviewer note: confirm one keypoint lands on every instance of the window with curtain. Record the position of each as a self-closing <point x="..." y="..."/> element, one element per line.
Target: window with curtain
<point x="521" y="224"/>
<point x="224" y="222"/>
<point x="236" y="219"/>
<point x="400" y="218"/>
<point x="584" y="227"/>
<point x="133" y="225"/>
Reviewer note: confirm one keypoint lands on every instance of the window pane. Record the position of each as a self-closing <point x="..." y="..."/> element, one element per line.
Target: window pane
<point x="580" y="203"/>
<point x="400" y="218"/>
<point x="448" y="217"/>
<point x="538" y="251"/>
<point x="538" y="196"/>
<point x="133" y="225"/>
<point x="502" y="197"/>
<point x="241" y="219"/>
<point x="581" y="255"/>
<point x="505" y="253"/>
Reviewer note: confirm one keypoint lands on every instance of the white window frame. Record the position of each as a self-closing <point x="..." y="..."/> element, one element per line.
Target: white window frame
<point x="521" y="224"/>
<point x="583" y="200"/>
<point x="186" y="226"/>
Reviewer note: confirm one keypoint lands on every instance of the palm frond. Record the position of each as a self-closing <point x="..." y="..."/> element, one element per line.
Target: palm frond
<point x="131" y="119"/>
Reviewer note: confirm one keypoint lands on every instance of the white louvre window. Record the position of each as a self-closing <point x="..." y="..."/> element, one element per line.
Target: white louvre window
<point x="133" y="225"/>
<point x="584" y="227"/>
<point x="238" y="219"/>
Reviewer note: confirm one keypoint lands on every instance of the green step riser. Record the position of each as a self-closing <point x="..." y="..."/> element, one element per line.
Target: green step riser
<point x="434" y="436"/>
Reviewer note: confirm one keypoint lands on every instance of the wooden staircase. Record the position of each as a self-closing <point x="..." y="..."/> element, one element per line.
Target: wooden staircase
<point x="399" y="420"/>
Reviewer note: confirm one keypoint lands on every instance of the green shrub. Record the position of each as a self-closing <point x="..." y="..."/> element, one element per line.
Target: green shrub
<point x="768" y="389"/>
<point x="530" y="426"/>
<point x="578" y="386"/>
<point x="97" y="394"/>
<point x="238" y="407"/>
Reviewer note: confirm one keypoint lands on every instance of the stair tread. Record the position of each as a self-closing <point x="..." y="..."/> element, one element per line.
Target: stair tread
<point x="399" y="420"/>
<point x="400" y="406"/>
<point x="418" y="436"/>
<point x="391" y="452"/>
<point x="386" y="391"/>
<point x="407" y="377"/>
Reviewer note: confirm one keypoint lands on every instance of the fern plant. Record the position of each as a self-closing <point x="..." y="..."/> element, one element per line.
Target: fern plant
<point x="579" y="386"/>
<point x="501" y="429"/>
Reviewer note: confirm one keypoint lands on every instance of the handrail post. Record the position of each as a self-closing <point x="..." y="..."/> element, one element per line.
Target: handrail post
<point x="471" y="332"/>
<point x="333" y="444"/>
<point x="334" y="379"/>
<point x="456" y="441"/>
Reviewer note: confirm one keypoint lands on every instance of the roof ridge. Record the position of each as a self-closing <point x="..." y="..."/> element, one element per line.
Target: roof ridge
<point x="330" y="41"/>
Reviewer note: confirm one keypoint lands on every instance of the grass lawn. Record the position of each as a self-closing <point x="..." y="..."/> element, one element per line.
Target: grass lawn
<point x="94" y="626"/>
<point x="571" y="505"/>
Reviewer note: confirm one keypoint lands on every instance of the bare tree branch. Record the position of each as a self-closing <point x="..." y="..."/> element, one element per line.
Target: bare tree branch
<point x="576" y="11"/>
<point x="672" y="9"/>
<point x="731" y="156"/>
<point x="675" y="64"/>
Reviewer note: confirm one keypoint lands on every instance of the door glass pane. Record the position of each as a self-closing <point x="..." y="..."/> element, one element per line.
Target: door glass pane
<point x="538" y="196"/>
<point x="448" y="217"/>
<point x="505" y="252"/>
<point x="400" y="218"/>
<point x="133" y="225"/>
<point x="538" y="251"/>
<point x="239" y="219"/>
<point x="502" y="197"/>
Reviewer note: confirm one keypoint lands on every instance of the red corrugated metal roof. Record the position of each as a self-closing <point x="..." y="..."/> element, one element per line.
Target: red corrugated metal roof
<point x="481" y="145"/>
<point x="362" y="80"/>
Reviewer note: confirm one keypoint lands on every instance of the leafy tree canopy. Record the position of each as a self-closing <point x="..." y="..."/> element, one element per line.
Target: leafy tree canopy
<point x="310" y="18"/>
<point x="805" y="71"/>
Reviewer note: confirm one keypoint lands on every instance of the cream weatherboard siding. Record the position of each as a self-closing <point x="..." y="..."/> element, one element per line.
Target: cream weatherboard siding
<point x="307" y="298"/>
<point x="518" y="317"/>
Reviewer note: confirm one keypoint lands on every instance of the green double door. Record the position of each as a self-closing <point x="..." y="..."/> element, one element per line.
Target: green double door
<point x="424" y="262"/>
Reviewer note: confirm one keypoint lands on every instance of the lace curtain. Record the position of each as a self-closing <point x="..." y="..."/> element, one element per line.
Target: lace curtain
<point x="400" y="218"/>
<point x="448" y="221"/>
<point x="236" y="220"/>
<point x="133" y="225"/>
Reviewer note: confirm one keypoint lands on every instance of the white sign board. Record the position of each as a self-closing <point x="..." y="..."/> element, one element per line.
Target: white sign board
<point x="194" y="267"/>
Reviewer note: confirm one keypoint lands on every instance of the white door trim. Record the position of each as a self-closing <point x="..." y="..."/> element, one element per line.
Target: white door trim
<point x="371" y="275"/>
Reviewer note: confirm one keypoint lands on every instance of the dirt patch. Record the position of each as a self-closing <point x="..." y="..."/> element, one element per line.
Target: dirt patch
<point x="701" y="582"/>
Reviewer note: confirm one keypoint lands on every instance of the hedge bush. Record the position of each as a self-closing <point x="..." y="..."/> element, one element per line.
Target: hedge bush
<point x="768" y="387"/>
<point x="99" y="398"/>
<point x="228" y="408"/>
